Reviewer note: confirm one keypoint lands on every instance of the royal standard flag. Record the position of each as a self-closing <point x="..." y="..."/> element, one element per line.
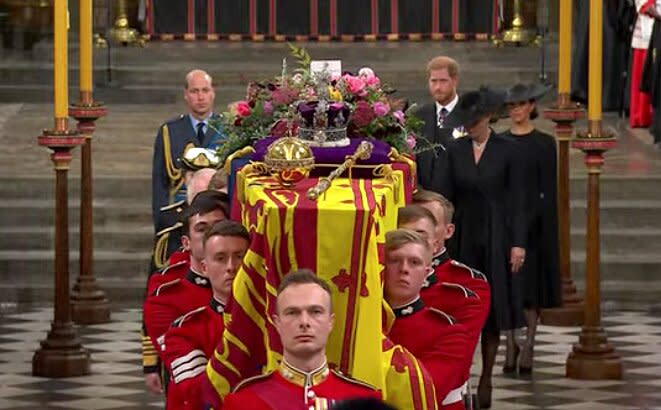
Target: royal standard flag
<point x="340" y="237"/>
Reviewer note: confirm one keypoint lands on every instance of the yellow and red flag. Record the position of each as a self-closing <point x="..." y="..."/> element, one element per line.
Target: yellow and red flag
<point x="340" y="238"/>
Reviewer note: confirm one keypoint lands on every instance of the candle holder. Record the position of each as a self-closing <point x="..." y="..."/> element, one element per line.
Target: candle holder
<point x="564" y="114"/>
<point x="89" y="303"/>
<point x="61" y="354"/>
<point x="518" y="34"/>
<point x="121" y="32"/>
<point x="593" y="358"/>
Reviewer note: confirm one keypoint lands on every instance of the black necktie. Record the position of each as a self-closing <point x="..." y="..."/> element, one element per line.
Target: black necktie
<point x="200" y="132"/>
<point x="442" y="115"/>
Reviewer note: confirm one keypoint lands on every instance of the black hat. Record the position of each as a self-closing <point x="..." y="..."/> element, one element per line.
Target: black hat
<point x="473" y="106"/>
<point x="521" y="93"/>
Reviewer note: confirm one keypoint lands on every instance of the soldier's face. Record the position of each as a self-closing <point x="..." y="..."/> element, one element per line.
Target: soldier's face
<point x="199" y="95"/>
<point x="442" y="87"/>
<point x="304" y="319"/>
<point x="444" y="230"/>
<point x="406" y="270"/>
<point x="199" y="224"/>
<point x="426" y="229"/>
<point x="223" y="256"/>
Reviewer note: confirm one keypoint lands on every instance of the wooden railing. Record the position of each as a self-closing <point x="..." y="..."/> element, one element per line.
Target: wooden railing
<point x="321" y="20"/>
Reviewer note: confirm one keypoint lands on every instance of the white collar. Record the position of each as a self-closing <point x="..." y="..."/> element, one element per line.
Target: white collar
<point x="194" y="121"/>
<point x="450" y="106"/>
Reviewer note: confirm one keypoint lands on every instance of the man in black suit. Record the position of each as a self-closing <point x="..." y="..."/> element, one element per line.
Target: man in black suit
<point x="443" y="76"/>
<point x="173" y="138"/>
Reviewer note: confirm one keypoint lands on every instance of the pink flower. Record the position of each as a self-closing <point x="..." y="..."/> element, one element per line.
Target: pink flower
<point x="280" y="128"/>
<point x="381" y="109"/>
<point x="372" y="82"/>
<point x="267" y="108"/>
<point x="243" y="109"/>
<point x="399" y="116"/>
<point x="368" y="76"/>
<point x="283" y="96"/>
<point x="363" y="114"/>
<point x="355" y="85"/>
<point x="410" y="141"/>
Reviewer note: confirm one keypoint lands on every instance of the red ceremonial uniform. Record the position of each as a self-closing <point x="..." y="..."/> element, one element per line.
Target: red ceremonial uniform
<point x="175" y="270"/>
<point x="440" y="343"/>
<point x="187" y="347"/>
<point x="463" y="293"/>
<point x="293" y="389"/>
<point x="170" y="301"/>
<point x="447" y="269"/>
<point x="177" y="267"/>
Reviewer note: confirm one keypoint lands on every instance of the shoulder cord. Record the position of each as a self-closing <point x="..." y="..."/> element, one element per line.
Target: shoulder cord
<point x="174" y="173"/>
<point x="160" y="250"/>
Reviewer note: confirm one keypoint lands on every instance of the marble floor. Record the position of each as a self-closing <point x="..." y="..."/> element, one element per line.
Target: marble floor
<point x="116" y="380"/>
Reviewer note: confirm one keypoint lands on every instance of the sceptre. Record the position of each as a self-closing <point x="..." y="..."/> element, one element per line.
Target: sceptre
<point x="364" y="151"/>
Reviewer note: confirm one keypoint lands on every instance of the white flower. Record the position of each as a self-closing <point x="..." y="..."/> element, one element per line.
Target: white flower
<point x="366" y="72"/>
<point x="297" y="78"/>
<point x="458" y="132"/>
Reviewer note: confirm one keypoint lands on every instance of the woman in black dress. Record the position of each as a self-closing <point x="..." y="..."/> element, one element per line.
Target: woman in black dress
<point x="540" y="278"/>
<point x="484" y="181"/>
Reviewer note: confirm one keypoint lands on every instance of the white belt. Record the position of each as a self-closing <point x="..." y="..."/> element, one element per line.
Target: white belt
<point x="456" y="394"/>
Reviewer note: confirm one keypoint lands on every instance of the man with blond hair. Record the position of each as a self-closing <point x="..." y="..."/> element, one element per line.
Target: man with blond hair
<point x="445" y="346"/>
<point x="442" y="80"/>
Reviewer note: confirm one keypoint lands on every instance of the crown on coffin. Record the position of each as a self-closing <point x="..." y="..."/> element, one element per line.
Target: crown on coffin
<point x="322" y="122"/>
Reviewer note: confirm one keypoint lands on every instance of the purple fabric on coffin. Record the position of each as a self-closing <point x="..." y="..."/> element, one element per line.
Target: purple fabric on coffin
<point x="333" y="155"/>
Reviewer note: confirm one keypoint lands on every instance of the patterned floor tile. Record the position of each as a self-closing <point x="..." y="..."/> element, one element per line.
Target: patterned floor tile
<point x="9" y="391"/>
<point x="116" y="382"/>
<point x="102" y="391"/>
<point x="509" y="405"/>
<point x="15" y="404"/>
<point x="578" y="384"/>
<point x="588" y="394"/>
<point x="587" y="405"/>
<point x="637" y="338"/>
<point x="106" y="379"/>
<point x="92" y="404"/>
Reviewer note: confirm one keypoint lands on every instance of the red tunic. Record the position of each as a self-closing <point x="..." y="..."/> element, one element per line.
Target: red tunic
<point x="177" y="267"/>
<point x="450" y="270"/>
<point x="175" y="270"/>
<point x="439" y="342"/>
<point x="286" y="389"/>
<point x="186" y="348"/>
<point x="463" y="293"/>
<point x="170" y="301"/>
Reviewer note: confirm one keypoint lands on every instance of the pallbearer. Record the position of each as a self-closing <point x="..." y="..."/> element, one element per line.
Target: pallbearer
<point x="444" y="347"/>
<point x="304" y="318"/>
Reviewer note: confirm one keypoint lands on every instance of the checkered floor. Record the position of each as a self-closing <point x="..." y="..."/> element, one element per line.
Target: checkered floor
<point x="116" y="382"/>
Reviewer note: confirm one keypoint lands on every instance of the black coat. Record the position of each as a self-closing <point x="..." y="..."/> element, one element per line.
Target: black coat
<point x="541" y="271"/>
<point x="490" y="219"/>
<point x="430" y="162"/>
<point x="615" y="59"/>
